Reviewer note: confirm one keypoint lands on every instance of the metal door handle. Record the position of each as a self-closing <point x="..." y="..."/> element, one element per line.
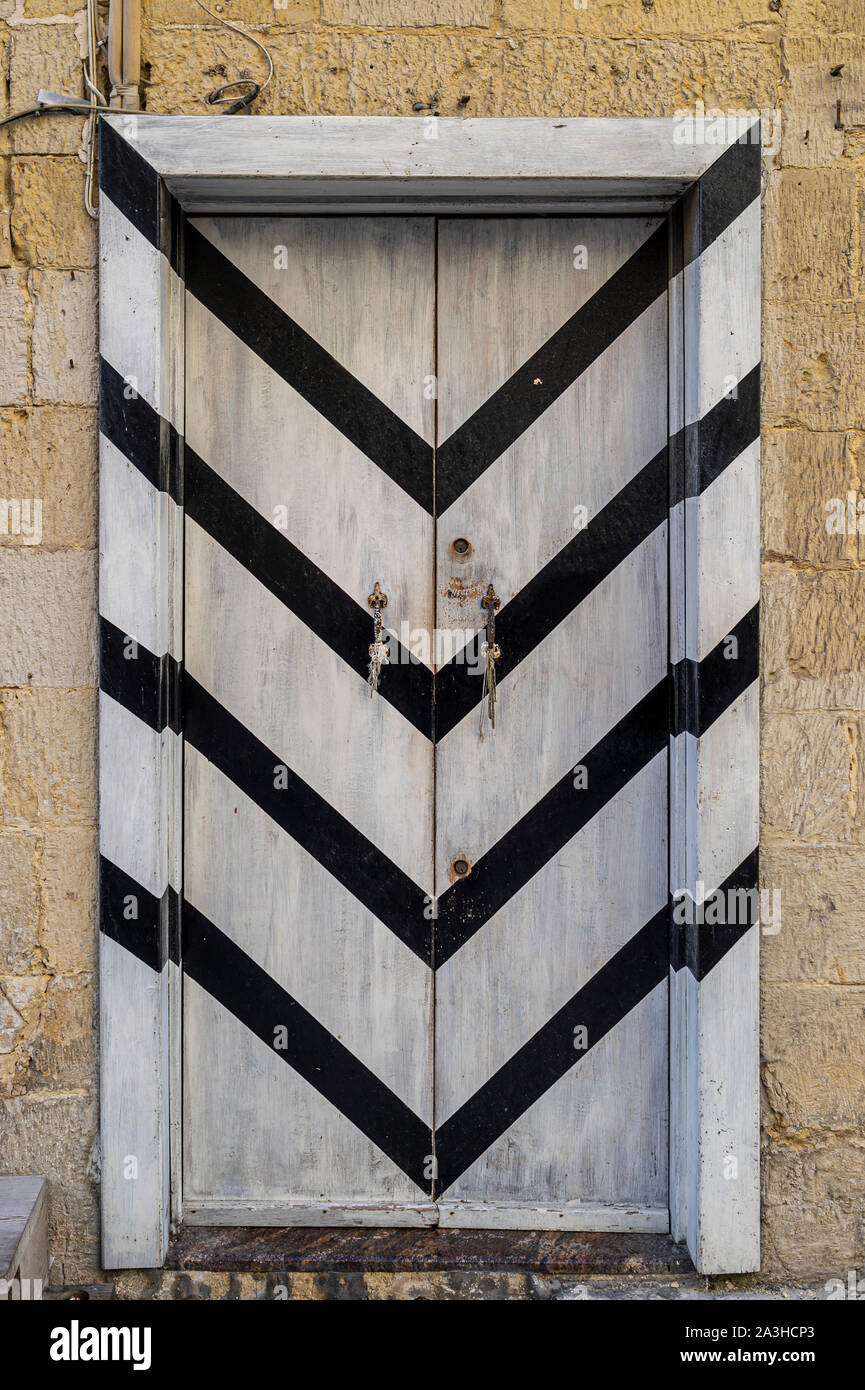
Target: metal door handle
<point x="378" y="652"/>
<point x="490" y="651"/>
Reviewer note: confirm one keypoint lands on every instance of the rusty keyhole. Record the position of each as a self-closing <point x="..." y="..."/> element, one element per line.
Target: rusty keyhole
<point x="460" y="867"/>
<point x="461" y="547"/>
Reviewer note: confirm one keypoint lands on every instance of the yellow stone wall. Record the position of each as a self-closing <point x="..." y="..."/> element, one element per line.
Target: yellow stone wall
<point x="482" y="58"/>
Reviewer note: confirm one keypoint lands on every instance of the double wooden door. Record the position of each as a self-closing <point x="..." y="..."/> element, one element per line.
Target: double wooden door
<point x="425" y="960"/>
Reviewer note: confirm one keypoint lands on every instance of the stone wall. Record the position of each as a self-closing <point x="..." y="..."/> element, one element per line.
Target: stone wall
<point x="483" y="58"/>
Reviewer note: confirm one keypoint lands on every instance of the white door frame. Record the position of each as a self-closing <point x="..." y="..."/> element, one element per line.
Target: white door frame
<point x="156" y="171"/>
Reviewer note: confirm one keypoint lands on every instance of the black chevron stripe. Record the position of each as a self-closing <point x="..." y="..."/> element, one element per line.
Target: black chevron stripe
<point x="702" y="692"/>
<point x="700" y="945"/>
<point x="129" y="181"/>
<point x="621" y="984"/>
<point x="240" y="985"/>
<point x="728" y="187"/>
<point x="552" y="822"/>
<point x="371" y="876"/>
<point x="547" y="599"/>
<point x="317" y="376"/>
<point x="578" y="568"/>
<point x="618" y="987"/>
<point x="713" y="942"/>
<point x="510" y="410"/>
<point x="706" y="447"/>
<point x="135" y="918"/>
<point x="311" y="595"/>
<point x="145" y="687"/>
<point x="152" y="445"/>
<point x="332" y="840"/>
<point x="717" y="440"/>
<point x="710" y="445"/>
<point x="145" y="684"/>
<point x="145" y="438"/>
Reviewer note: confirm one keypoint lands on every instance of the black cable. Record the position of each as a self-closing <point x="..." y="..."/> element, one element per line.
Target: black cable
<point x="82" y="111"/>
<point x="218" y="95"/>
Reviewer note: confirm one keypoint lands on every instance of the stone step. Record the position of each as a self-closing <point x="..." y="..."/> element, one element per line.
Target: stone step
<point x="23" y="1237"/>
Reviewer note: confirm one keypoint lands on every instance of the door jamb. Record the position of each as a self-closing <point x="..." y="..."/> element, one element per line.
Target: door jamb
<point x="154" y="172"/>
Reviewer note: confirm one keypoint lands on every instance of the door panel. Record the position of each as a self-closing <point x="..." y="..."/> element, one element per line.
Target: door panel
<point x="364" y="1031"/>
<point x="563" y="874"/>
<point x="306" y="800"/>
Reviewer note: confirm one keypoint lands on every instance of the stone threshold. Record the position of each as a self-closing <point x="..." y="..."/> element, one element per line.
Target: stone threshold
<point x="347" y="1250"/>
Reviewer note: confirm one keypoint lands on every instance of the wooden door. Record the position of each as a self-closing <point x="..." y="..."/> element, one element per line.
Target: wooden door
<point x="309" y="804"/>
<point x="370" y="1035"/>
<point x="551" y="464"/>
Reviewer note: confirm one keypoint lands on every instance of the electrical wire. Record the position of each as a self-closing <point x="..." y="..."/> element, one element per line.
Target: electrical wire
<point x="218" y="97"/>
<point x="88" y="108"/>
<point x="81" y="110"/>
<point x="96" y="100"/>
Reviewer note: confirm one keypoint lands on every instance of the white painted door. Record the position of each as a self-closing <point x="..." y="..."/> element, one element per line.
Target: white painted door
<point x="309" y="804"/>
<point x="551" y="993"/>
<point x="425" y="961"/>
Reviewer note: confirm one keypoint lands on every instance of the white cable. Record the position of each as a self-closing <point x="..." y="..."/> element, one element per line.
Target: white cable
<point x="56" y="102"/>
<point x="97" y="103"/>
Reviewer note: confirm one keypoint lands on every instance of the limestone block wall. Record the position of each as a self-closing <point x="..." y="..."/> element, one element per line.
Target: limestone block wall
<point x="792" y="60"/>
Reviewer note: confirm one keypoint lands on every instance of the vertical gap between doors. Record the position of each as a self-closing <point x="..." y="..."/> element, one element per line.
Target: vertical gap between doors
<point x="433" y="1189"/>
<point x="672" y="616"/>
<point x="179" y="1031"/>
<point x="676" y="644"/>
